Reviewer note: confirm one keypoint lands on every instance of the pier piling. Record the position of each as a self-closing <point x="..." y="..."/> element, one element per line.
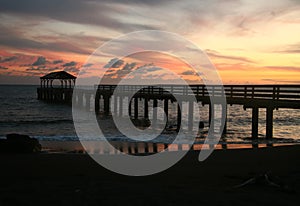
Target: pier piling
<point x="255" y="112"/>
<point x="146" y="109"/>
<point x="269" y="122"/>
<point x="136" y="108"/>
<point x="166" y="109"/>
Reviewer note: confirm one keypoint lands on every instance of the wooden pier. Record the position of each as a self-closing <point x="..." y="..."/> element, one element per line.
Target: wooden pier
<point x="252" y="97"/>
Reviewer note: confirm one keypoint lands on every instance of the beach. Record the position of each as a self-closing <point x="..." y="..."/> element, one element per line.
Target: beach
<point x="75" y="179"/>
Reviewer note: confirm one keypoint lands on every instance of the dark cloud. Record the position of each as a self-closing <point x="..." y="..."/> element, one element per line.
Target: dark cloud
<point x="111" y="70"/>
<point x="40" y="61"/>
<point x="8" y="59"/>
<point x="128" y="66"/>
<point x="57" y="61"/>
<point x="148" y="68"/>
<point x="70" y="64"/>
<point x="33" y="69"/>
<point x="114" y="63"/>
<point x="188" y="72"/>
<point x="118" y="73"/>
<point x="3" y="68"/>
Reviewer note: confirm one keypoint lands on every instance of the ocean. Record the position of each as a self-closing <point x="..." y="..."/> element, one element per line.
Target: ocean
<point x="22" y="113"/>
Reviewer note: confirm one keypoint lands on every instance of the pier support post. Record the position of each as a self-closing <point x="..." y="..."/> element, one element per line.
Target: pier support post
<point x="211" y="120"/>
<point x="255" y="122"/>
<point x="146" y="110"/>
<point x="120" y="106"/>
<point x="87" y="101"/>
<point x="191" y="116"/>
<point x="97" y="102"/>
<point x="39" y="94"/>
<point x="106" y="104"/>
<point x="224" y="117"/>
<point x="154" y="112"/>
<point x="129" y="107"/>
<point x="166" y="109"/>
<point x="269" y="122"/>
<point x="179" y="107"/>
<point x="136" y="108"/>
<point x="115" y="105"/>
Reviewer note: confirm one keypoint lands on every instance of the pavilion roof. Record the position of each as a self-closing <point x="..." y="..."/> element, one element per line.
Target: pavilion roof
<point x="58" y="75"/>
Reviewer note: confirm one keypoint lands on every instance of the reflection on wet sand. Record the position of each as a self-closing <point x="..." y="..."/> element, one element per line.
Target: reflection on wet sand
<point x="143" y="148"/>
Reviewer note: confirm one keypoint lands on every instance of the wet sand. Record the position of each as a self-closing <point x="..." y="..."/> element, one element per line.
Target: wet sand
<point x="75" y="179"/>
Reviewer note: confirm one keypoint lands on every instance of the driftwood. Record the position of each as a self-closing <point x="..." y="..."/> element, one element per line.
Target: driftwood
<point x="266" y="179"/>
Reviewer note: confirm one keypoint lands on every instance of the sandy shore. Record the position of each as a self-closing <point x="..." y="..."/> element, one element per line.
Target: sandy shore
<point x="75" y="179"/>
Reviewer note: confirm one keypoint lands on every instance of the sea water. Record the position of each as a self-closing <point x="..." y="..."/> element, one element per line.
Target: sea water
<point x="21" y="112"/>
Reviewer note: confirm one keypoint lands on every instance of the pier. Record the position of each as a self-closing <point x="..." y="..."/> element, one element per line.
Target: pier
<point x="254" y="97"/>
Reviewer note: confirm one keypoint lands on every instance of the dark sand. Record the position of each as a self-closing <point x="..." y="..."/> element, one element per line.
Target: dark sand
<point x="75" y="179"/>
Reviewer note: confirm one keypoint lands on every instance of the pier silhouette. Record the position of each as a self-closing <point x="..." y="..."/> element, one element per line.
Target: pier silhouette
<point x="254" y="97"/>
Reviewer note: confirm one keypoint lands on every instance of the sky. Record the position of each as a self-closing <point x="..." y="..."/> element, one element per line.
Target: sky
<point x="248" y="42"/>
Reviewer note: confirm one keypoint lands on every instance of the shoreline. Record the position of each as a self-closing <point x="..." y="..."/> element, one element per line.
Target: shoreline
<point x="141" y="147"/>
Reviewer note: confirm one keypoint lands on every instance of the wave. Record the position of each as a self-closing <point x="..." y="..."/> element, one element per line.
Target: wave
<point x="163" y="139"/>
<point x="38" y="121"/>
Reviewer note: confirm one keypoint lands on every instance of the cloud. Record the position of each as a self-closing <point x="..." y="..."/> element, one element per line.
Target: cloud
<point x="18" y="40"/>
<point x="281" y="81"/>
<point x="153" y="69"/>
<point x="3" y="68"/>
<point x="189" y="73"/>
<point x="216" y="54"/>
<point x="40" y="61"/>
<point x="128" y="66"/>
<point x="70" y="64"/>
<point x="88" y="65"/>
<point x="147" y="68"/>
<point x="297" y="51"/>
<point x="57" y="61"/>
<point x="290" y="49"/>
<point x="284" y="68"/>
<point x="114" y="63"/>
<point x="71" y="69"/>
<point x="99" y="13"/>
<point x="8" y="59"/>
<point x="123" y="16"/>
<point x="43" y="69"/>
<point x="33" y="69"/>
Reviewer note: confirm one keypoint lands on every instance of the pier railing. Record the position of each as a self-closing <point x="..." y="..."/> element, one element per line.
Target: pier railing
<point x="271" y="92"/>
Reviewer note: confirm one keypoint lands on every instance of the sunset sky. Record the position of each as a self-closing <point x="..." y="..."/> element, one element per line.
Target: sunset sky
<point x="249" y="42"/>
